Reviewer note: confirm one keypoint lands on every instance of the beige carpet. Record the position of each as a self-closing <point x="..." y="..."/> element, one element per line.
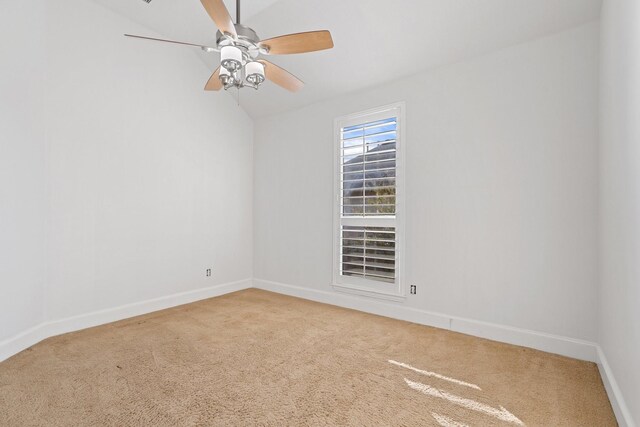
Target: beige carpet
<point x="258" y="358"/>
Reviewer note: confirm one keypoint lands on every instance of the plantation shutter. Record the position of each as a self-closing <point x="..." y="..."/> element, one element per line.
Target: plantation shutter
<point x="367" y="196"/>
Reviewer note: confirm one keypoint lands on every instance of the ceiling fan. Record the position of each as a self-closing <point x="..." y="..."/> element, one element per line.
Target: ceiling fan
<point x="240" y="49"/>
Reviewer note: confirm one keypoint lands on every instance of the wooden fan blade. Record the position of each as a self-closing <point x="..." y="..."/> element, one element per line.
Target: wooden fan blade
<point x="207" y="48"/>
<point x="214" y="82"/>
<point x="281" y="77"/>
<point x="220" y="15"/>
<point x="298" y="43"/>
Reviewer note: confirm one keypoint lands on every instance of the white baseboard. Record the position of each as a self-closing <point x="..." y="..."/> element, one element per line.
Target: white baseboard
<point x="22" y="341"/>
<point x="565" y="346"/>
<point x="613" y="391"/>
<point x="557" y="344"/>
<point x="48" y="329"/>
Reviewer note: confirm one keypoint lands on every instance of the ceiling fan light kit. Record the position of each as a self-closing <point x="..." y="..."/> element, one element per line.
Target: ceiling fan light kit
<point x="240" y="48"/>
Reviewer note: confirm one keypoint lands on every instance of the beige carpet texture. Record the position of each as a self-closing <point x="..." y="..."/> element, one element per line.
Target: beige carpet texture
<point x="259" y="358"/>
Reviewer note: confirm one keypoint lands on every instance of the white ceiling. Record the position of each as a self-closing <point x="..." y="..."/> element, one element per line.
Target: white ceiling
<point x="376" y="41"/>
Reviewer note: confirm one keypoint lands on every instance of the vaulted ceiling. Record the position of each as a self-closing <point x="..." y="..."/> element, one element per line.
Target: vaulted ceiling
<point x="376" y="41"/>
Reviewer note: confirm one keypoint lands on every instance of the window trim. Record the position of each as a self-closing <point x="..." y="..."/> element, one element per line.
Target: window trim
<point x="357" y="285"/>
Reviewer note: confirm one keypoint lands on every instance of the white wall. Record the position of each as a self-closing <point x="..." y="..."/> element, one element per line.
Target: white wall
<point x="150" y="177"/>
<point x="22" y="166"/>
<point x="620" y="196"/>
<point x="144" y="182"/>
<point x="501" y="186"/>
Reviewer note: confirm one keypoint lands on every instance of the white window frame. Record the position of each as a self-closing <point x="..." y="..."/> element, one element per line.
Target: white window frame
<point x="358" y="285"/>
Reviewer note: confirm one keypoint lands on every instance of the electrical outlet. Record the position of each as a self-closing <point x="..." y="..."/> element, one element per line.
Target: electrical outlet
<point x="208" y="272"/>
<point x="413" y="289"/>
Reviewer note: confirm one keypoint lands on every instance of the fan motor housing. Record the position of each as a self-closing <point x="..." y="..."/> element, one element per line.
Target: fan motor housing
<point x="245" y="35"/>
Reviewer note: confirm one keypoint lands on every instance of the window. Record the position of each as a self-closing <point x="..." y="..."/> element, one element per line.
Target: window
<point x="369" y="208"/>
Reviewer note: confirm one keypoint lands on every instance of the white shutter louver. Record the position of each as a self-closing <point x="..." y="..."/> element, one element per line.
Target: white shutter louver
<point x="369" y="252"/>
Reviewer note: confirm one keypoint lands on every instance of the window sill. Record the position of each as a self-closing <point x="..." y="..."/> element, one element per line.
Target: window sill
<point x="354" y="290"/>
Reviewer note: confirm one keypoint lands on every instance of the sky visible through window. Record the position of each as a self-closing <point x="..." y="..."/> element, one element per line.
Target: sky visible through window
<point x="369" y="169"/>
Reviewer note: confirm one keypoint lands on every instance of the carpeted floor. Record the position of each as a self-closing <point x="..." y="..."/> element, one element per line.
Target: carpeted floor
<point x="258" y="358"/>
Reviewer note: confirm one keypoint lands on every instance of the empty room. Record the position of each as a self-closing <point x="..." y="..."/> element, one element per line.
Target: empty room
<point x="320" y="213"/>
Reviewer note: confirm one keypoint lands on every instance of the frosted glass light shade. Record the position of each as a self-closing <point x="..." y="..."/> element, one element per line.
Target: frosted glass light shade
<point x="225" y="77"/>
<point x="231" y="58"/>
<point x="255" y="72"/>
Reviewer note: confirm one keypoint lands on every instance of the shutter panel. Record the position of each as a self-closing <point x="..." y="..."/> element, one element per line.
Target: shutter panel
<point x="369" y="252"/>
